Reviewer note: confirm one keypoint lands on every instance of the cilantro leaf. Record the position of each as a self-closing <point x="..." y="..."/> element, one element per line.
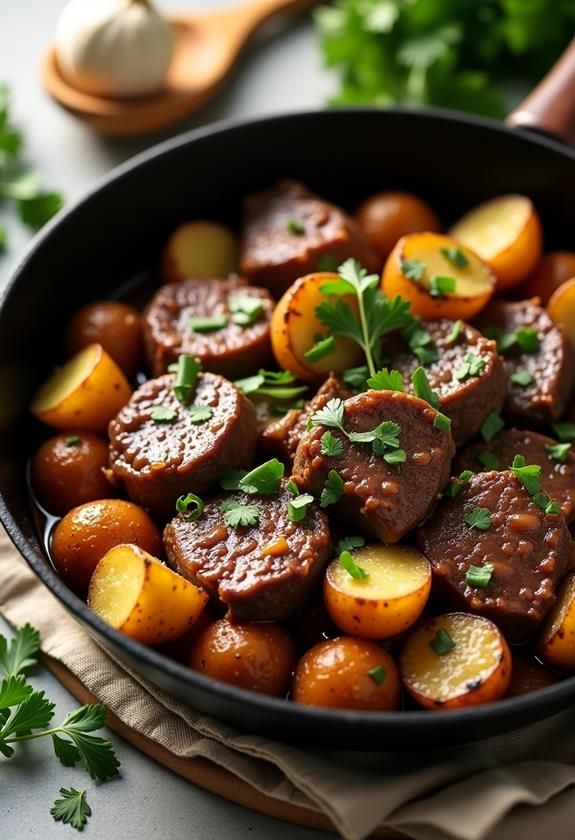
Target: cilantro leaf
<point x="330" y="446"/>
<point x="65" y="750"/>
<point x="239" y="515"/>
<point x="479" y="518"/>
<point x="331" y="415"/>
<point x="72" y="808"/>
<point x="340" y="320"/>
<point x="199" y="414"/>
<point x="386" y="380"/>
<point x="19" y="655"/>
<point x="163" y="414"/>
<point x="332" y="489"/>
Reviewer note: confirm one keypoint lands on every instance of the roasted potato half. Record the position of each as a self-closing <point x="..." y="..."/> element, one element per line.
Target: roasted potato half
<point x="200" y="250"/>
<point x="295" y="329"/>
<point x="454" y="661"/>
<point x="347" y="673"/>
<point x="388" y="597"/>
<point x="506" y="233"/>
<point x="441" y="277"/>
<point x="556" y="643"/>
<point x="138" y="595"/>
<point x="84" y="394"/>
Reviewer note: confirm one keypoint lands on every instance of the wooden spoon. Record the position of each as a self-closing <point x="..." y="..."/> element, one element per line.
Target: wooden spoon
<point x="207" y="45"/>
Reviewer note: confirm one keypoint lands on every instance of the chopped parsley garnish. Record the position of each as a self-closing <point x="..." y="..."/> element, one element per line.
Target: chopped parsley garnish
<point x="552" y="507"/>
<point x="327" y="263"/>
<point x="347" y="562"/>
<point x="473" y="365"/>
<point x="423" y="389"/>
<point x="565" y="431"/>
<point x="558" y="451"/>
<point x="442" y="422"/>
<point x="246" y="310"/>
<point x="295" y="227"/>
<point x="455" y="256"/>
<point x="298" y="507"/>
<point x="349" y="543"/>
<point x="377" y="314"/>
<point x="396" y="456"/>
<point x="527" y="339"/>
<point x="377" y="674"/>
<point x="386" y="380"/>
<point x="528" y="474"/>
<point x="198" y="414"/>
<point x="413" y="269"/>
<point x="453" y="488"/>
<point x="230" y="479"/>
<point x="356" y="377"/>
<point x="420" y="342"/>
<point x="383" y="437"/>
<point x="330" y="445"/>
<point x="238" y="515"/>
<point x="332" y="489"/>
<point x="479" y="518"/>
<point x="523" y="378"/>
<point x="442" y="642"/>
<point x="456" y="333"/>
<point x="439" y="285"/>
<point x="264" y="479"/>
<point x="163" y="414"/>
<point x="320" y="349"/>
<point x="331" y="415"/>
<point x="187" y="372"/>
<point x="491" y="425"/>
<point x="479" y="575"/>
<point x="268" y="383"/>
<point x="488" y="460"/>
<point x="191" y="506"/>
<point x="73" y="440"/>
<point x="205" y="324"/>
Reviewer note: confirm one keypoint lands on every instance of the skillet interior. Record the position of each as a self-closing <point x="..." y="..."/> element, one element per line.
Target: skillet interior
<point x="118" y="231"/>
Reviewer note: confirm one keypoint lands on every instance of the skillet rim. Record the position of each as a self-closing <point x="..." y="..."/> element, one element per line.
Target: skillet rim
<point x="508" y="710"/>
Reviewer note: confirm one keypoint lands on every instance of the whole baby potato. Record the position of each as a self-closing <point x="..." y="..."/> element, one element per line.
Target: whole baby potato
<point x="259" y="657"/>
<point x="66" y="471"/>
<point x="89" y="531"/>
<point x="114" y="325"/>
<point x="387" y="216"/>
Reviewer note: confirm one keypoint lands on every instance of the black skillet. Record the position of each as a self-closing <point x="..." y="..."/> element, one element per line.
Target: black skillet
<point x="117" y="232"/>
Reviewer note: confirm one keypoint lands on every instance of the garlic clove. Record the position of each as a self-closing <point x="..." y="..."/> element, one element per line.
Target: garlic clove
<point x="116" y="48"/>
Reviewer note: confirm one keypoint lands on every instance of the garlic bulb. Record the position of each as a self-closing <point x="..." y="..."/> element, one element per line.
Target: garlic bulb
<point x="114" y="47"/>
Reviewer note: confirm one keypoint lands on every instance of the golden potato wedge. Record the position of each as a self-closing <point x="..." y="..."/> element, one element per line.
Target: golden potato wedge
<point x="506" y="233"/>
<point x="422" y="264"/>
<point x="553" y="269"/>
<point x="556" y="642"/>
<point x="200" y="250"/>
<point x="561" y="308"/>
<point x="138" y="595"/>
<point x="295" y="330"/>
<point x="456" y="660"/>
<point x="385" y="602"/>
<point x="84" y="394"/>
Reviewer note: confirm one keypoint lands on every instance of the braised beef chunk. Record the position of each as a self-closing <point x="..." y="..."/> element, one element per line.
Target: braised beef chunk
<point x="557" y="465"/>
<point x="263" y="572"/>
<point x="289" y="232"/>
<point x="494" y="521"/>
<point x="375" y="490"/>
<point x="223" y="323"/>
<point x="462" y="367"/>
<point x="157" y="460"/>
<point x="280" y="438"/>
<point x="538" y="359"/>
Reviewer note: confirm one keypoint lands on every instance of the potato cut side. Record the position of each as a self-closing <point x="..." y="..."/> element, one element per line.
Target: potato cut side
<point x="84" y="394"/>
<point x="200" y="250"/>
<point x="561" y="308"/>
<point x="421" y="262"/>
<point x="138" y="595"/>
<point x="556" y="644"/>
<point x="456" y="660"/>
<point x="295" y="329"/>
<point x="387" y="600"/>
<point x="506" y="233"/>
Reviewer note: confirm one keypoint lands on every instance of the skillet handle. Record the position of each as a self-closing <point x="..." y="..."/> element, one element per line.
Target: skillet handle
<point x="550" y="108"/>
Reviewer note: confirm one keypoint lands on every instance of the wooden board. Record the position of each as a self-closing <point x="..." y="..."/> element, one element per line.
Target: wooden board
<point x="203" y="772"/>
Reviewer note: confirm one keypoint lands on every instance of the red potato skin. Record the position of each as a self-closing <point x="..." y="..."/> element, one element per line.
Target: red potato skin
<point x="114" y="325"/>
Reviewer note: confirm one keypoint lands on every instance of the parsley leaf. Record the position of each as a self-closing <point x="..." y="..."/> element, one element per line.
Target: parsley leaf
<point x="420" y="342"/>
<point x="558" y="451"/>
<point x="264" y="479"/>
<point x="163" y="414"/>
<point x="347" y="562"/>
<point x="386" y="380"/>
<point x="423" y="389"/>
<point x="478" y="518"/>
<point x="199" y="414"/>
<point x="356" y="377"/>
<point x="72" y="808"/>
<point x="528" y="339"/>
<point x="473" y="365"/>
<point x="246" y="309"/>
<point x="331" y="415"/>
<point x="455" y="256"/>
<point x="523" y="378"/>
<point x="491" y="425"/>
<point x="40" y="208"/>
<point x="440" y="285"/>
<point x="455" y="485"/>
<point x="349" y="543"/>
<point x="230" y="479"/>
<point x="239" y="515"/>
<point x="96" y="754"/>
<point x="528" y="474"/>
<point x="332" y="489"/>
<point x="565" y="431"/>
<point x="413" y="269"/>
<point x="330" y="445"/>
<point x="20" y="654"/>
<point x="295" y="227"/>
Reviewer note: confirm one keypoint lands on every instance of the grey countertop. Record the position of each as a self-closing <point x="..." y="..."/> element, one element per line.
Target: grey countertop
<point x="279" y="74"/>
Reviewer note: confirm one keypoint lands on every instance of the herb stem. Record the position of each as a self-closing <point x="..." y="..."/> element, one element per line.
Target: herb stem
<point x="365" y="331"/>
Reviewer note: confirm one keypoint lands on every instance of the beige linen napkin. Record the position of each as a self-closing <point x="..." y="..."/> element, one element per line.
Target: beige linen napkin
<point x="473" y="793"/>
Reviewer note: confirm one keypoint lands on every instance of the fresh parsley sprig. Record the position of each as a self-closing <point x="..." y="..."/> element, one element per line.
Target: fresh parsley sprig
<point x="384" y="437"/>
<point x="377" y="314"/>
<point x="530" y="477"/>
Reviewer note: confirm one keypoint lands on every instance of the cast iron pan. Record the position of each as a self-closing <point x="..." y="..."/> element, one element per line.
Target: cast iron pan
<point x="118" y="231"/>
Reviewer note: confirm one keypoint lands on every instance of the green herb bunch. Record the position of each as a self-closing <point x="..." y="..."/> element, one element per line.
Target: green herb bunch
<point x="446" y="53"/>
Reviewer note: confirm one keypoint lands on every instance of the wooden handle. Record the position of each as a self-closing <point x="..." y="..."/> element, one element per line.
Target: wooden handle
<point x="259" y="11"/>
<point x="550" y="108"/>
